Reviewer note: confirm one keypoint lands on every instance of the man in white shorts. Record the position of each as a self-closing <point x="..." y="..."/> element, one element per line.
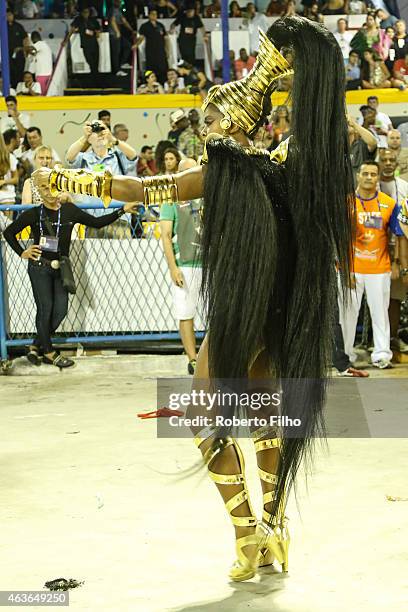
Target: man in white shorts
<point x="180" y="225"/>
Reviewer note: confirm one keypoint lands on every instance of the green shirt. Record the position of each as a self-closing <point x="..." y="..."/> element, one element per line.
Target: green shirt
<point x="186" y="231"/>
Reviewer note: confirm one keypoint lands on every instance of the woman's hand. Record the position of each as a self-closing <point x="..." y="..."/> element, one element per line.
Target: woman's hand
<point x="33" y="252"/>
<point x="131" y="207"/>
<point x="177" y="277"/>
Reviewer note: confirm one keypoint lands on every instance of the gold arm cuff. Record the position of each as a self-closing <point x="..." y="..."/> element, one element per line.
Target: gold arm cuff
<point x="158" y="190"/>
<point x="82" y="182"/>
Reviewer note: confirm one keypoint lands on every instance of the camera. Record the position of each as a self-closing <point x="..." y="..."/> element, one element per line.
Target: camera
<point x="97" y="127"/>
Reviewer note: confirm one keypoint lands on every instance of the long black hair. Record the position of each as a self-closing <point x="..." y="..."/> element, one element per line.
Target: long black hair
<point x="322" y="207"/>
<point x="272" y="237"/>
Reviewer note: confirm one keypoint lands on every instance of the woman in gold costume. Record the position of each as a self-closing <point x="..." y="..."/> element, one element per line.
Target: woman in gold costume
<point x="274" y="226"/>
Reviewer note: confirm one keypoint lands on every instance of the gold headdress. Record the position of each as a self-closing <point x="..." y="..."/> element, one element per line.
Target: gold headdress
<point x="241" y="102"/>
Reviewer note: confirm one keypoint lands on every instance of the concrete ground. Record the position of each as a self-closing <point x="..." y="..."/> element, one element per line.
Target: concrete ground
<point x="89" y="492"/>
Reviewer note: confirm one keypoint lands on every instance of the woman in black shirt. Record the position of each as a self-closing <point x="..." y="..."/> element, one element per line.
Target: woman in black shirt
<point x="189" y="24"/>
<point x="51" y="227"/>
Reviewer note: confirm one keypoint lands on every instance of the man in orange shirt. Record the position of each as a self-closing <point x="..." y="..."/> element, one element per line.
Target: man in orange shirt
<point x="375" y="212"/>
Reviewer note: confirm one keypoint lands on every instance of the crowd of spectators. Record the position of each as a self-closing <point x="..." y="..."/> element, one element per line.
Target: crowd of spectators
<point x="104" y="144"/>
<point x="66" y="9"/>
<point x="375" y="55"/>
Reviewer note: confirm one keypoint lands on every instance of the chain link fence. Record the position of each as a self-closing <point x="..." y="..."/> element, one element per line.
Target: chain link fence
<point x="123" y="286"/>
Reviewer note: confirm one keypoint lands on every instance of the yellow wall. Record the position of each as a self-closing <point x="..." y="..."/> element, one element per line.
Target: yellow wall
<point x="125" y="101"/>
<point x="96" y="103"/>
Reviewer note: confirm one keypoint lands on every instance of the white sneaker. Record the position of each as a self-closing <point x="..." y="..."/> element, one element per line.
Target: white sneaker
<point x="126" y="66"/>
<point x="383" y="364"/>
<point x="121" y="73"/>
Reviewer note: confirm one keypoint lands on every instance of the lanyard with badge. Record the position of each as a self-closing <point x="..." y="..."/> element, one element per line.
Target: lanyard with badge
<point x="47" y="242"/>
<point x="372" y="221"/>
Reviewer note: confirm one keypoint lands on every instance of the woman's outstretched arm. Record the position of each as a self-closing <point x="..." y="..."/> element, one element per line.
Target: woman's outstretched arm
<point x="122" y="188"/>
<point x="130" y="189"/>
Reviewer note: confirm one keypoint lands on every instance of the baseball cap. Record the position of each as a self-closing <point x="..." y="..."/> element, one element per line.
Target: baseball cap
<point x="177" y="115"/>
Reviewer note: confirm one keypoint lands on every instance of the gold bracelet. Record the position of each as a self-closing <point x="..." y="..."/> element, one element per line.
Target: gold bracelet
<point x="158" y="190"/>
<point x="82" y="182"/>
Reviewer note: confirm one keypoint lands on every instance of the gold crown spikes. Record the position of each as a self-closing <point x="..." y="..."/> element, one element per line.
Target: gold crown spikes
<point x="243" y="101"/>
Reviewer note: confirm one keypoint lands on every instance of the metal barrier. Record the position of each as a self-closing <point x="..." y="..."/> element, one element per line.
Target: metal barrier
<point x="123" y="287"/>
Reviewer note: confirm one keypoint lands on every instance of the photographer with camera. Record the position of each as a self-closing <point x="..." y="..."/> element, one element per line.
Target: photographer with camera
<point x="106" y="153"/>
<point x="49" y="267"/>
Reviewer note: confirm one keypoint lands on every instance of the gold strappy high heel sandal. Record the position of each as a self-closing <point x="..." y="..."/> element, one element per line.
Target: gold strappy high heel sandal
<point x="273" y="532"/>
<point x="244" y="568"/>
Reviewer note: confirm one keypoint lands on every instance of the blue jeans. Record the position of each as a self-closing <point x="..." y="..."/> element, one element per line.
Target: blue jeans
<point x="51" y="300"/>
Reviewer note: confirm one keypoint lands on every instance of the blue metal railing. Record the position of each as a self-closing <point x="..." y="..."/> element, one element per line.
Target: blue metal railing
<point x="3" y="336"/>
<point x="10" y="339"/>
